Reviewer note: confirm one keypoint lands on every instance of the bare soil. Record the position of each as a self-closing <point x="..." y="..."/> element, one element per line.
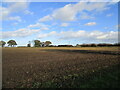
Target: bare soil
<point x="24" y="66"/>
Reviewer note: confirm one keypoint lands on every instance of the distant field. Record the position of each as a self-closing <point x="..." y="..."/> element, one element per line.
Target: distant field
<point x="86" y="48"/>
<point x="78" y="48"/>
<point x="47" y="67"/>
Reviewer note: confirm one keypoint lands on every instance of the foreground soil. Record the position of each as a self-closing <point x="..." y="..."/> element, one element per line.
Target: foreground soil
<point x="36" y="67"/>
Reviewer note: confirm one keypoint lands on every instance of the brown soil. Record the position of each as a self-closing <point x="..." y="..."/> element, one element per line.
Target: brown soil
<point x="22" y="67"/>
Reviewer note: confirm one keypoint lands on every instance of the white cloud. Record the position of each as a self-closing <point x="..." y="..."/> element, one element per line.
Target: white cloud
<point x="34" y="25"/>
<point x="47" y="35"/>
<point x="28" y="12"/>
<point x="45" y="18"/>
<point x="39" y="25"/>
<point x="109" y="15"/>
<point x="70" y="11"/>
<point x="65" y="24"/>
<point x="117" y="26"/>
<point x="14" y="24"/>
<point x="19" y="33"/>
<point x="111" y="36"/>
<point x="106" y="27"/>
<point x="90" y="24"/>
<point x="29" y="30"/>
<point x="16" y="18"/>
<point x="5" y="15"/>
<point x="62" y="0"/>
<point x="90" y="36"/>
<point x="99" y="0"/>
<point x="12" y="7"/>
<point x="86" y="16"/>
<point x="15" y="0"/>
<point x="67" y="13"/>
<point x="18" y="6"/>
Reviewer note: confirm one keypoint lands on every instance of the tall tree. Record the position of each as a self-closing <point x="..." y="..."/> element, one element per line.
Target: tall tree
<point x="47" y="43"/>
<point x="2" y="43"/>
<point x="11" y="43"/>
<point x="37" y="43"/>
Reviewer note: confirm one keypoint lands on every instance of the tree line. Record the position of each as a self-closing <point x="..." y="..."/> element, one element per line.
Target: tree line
<point x="11" y="43"/>
<point x="98" y="45"/>
<point x="37" y="43"/>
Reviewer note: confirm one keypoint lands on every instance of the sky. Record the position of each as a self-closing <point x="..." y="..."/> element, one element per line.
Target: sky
<point x="59" y="22"/>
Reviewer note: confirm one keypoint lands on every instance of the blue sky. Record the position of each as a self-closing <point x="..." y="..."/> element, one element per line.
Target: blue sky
<point x="60" y="22"/>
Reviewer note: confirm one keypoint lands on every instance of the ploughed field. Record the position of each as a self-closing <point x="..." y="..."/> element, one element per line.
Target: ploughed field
<point x="56" y="67"/>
